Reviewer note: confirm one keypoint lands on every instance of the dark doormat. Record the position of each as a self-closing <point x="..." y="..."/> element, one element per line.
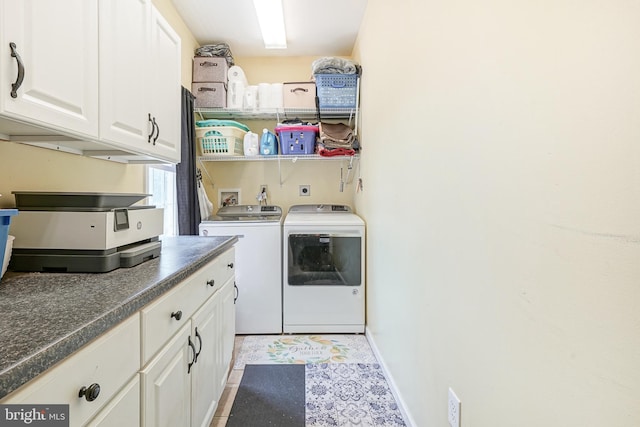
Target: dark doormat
<point x="270" y="395"/>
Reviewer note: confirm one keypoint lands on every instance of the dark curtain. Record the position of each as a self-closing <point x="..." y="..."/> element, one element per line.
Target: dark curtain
<point x="186" y="181"/>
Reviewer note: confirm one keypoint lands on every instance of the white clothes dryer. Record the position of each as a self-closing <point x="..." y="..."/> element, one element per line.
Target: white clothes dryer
<point x="323" y="270"/>
<point x="259" y="264"/>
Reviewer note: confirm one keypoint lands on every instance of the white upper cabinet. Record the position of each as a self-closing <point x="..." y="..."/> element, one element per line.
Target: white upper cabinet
<point x="139" y="79"/>
<point x="124" y="55"/>
<point x="165" y="77"/>
<point x="53" y="78"/>
<point x="99" y="78"/>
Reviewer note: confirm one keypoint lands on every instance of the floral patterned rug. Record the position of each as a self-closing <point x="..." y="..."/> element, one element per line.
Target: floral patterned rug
<point x="302" y="349"/>
<point x="344" y="384"/>
<point x="349" y="394"/>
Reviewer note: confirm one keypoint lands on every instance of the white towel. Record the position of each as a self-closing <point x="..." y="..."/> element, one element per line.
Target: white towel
<point x="206" y="207"/>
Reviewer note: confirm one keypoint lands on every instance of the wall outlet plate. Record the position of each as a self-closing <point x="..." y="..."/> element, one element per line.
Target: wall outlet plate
<point x="453" y="409"/>
<point x="305" y="190"/>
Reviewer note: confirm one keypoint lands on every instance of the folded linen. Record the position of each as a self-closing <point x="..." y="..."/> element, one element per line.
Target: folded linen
<point x="334" y="65"/>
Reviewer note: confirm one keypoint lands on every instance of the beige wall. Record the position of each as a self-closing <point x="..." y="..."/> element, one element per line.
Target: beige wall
<point x="509" y="133"/>
<point x="25" y="168"/>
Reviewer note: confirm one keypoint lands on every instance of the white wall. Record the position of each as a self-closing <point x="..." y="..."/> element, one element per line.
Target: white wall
<point x="508" y="134"/>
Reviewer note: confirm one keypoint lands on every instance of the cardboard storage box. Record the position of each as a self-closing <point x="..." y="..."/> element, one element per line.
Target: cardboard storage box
<point x="300" y="95"/>
<point x="210" y="69"/>
<point x="210" y="95"/>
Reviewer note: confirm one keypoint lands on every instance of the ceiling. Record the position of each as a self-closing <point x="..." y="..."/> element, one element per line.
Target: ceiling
<point x="314" y="27"/>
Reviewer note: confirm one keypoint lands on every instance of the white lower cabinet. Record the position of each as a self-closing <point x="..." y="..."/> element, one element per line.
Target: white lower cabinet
<point x="227" y="330"/>
<point x="101" y="369"/>
<point x="166" y="383"/>
<point x="157" y="368"/>
<point x="186" y="373"/>
<point x="123" y="409"/>
<point x="205" y="390"/>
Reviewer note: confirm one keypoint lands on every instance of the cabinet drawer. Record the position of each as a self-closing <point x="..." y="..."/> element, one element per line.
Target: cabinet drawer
<point x="210" y="278"/>
<point x="164" y="317"/>
<point x="224" y="268"/>
<point x="109" y="361"/>
<point x="158" y="324"/>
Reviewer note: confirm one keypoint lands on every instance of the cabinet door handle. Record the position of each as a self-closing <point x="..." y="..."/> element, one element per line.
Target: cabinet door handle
<point x="230" y="265"/>
<point x="237" y="293"/>
<point x="157" y="131"/>
<point x="153" y="129"/>
<point x="200" y="348"/>
<point x="90" y="393"/>
<point x="177" y="315"/>
<point x="211" y="282"/>
<point x="15" y="86"/>
<point x="193" y="348"/>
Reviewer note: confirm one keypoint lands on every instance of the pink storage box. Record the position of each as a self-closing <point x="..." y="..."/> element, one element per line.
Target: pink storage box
<point x="297" y="139"/>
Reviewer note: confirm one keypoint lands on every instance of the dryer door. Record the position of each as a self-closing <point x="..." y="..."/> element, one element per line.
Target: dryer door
<point x="324" y="260"/>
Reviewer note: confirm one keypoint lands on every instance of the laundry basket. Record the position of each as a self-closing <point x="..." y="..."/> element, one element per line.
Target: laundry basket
<point x="5" y="242"/>
<point x="221" y="140"/>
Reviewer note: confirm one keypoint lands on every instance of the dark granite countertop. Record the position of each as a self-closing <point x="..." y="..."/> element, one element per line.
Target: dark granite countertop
<point x="45" y="317"/>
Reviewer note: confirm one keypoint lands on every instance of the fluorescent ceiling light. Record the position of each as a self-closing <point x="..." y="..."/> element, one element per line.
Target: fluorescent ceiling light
<point x="271" y="20"/>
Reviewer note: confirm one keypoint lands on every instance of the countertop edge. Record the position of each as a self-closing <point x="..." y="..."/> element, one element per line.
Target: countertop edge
<point x="37" y="363"/>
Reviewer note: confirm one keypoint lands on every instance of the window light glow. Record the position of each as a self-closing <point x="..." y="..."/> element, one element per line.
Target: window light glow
<point x="271" y="20"/>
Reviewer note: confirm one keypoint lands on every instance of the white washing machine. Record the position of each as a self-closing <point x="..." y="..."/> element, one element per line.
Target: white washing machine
<point x="259" y="263"/>
<point x="323" y="270"/>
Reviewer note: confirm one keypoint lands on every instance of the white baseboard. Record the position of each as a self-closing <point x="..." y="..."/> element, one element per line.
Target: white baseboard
<point x="392" y="384"/>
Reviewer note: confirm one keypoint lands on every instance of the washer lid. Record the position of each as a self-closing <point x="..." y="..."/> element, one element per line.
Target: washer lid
<point x="248" y="213"/>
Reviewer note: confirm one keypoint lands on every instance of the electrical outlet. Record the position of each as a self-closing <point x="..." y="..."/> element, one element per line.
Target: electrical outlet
<point x="305" y="190"/>
<point x="453" y="409"/>
<point x="263" y="188"/>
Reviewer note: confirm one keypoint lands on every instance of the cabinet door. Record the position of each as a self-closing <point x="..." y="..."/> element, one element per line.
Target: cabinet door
<point x="109" y="362"/>
<point x="57" y="42"/>
<point x="124" y="70"/>
<point x="206" y="327"/>
<point x="166" y="384"/>
<point x="165" y="90"/>
<point x="123" y="410"/>
<point x="227" y="296"/>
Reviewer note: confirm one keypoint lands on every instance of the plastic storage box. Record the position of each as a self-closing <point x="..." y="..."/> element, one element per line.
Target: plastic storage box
<point x="297" y="139"/>
<point x="221" y="140"/>
<point x="210" y="95"/>
<point x="337" y="90"/>
<point x="5" y="221"/>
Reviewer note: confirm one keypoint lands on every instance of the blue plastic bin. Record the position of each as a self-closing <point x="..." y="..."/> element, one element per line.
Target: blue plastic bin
<point x="297" y="139"/>
<point x="337" y="90"/>
<point x="5" y="221"/>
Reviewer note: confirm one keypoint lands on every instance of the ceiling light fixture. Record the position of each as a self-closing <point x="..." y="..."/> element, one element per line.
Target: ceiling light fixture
<point x="271" y="20"/>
